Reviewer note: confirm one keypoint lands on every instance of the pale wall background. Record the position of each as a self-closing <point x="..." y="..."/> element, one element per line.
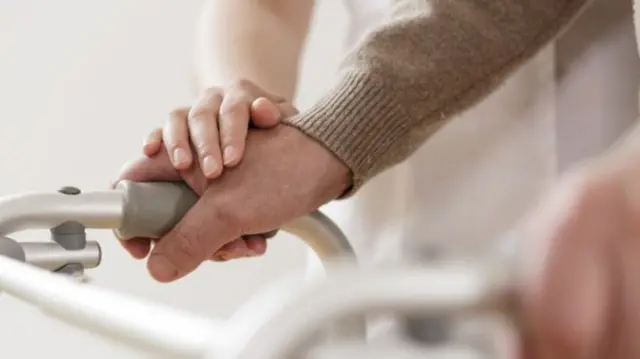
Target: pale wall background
<point x="81" y="83"/>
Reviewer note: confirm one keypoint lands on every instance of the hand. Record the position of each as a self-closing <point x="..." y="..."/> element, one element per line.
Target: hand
<point x="284" y="174"/>
<point x="219" y="119"/>
<point x="216" y="126"/>
<point x="245" y="246"/>
<point x="581" y="293"/>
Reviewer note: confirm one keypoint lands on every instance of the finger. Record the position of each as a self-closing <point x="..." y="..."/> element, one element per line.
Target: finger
<point x="256" y="245"/>
<point x="234" y="125"/>
<point x="264" y="113"/>
<point x="248" y="246"/>
<point x="201" y="232"/>
<point x="232" y="250"/>
<point x="176" y="138"/>
<point x="152" y="143"/>
<point x="222" y="257"/>
<point x="138" y="248"/>
<point x="203" y="128"/>
<point x="147" y="169"/>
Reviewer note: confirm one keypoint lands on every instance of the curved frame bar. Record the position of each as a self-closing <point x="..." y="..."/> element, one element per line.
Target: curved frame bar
<point x="454" y="290"/>
<point x="357" y="350"/>
<point x="106" y="210"/>
<point x="142" y="325"/>
<point x="172" y="333"/>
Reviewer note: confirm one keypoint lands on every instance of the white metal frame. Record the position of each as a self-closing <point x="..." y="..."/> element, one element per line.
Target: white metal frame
<point x="283" y="322"/>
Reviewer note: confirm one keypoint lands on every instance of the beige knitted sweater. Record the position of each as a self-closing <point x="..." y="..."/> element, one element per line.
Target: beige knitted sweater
<point x="432" y="59"/>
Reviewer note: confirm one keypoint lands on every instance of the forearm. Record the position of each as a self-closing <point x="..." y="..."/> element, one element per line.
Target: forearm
<point x="256" y="40"/>
<point x="433" y="60"/>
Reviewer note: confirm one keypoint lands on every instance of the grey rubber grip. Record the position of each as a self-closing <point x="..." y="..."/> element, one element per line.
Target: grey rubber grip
<point x="151" y="209"/>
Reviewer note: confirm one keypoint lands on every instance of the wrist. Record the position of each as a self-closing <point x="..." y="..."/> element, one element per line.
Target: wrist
<point x="337" y="178"/>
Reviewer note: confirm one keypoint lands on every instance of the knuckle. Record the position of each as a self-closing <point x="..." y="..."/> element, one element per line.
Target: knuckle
<point x="200" y="113"/>
<point x="179" y="113"/>
<point x="244" y="84"/>
<point x="213" y="91"/>
<point x="239" y="105"/>
<point x="230" y="138"/>
<point x="202" y="148"/>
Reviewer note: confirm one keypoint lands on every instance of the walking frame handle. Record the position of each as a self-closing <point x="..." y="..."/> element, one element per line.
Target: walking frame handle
<point x="132" y="210"/>
<point x="149" y="210"/>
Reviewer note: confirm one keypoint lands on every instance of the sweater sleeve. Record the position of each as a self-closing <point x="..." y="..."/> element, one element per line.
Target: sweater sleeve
<point x="431" y="60"/>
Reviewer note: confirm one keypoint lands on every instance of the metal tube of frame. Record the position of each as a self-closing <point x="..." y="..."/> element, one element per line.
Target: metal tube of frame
<point x="51" y="256"/>
<point x="98" y="209"/>
<point x="139" y="324"/>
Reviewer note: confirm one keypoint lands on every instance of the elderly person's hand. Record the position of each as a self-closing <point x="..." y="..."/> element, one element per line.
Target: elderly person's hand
<point x="211" y="135"/>
<point x="581" y="290"/>
<point x="284" y="174"/>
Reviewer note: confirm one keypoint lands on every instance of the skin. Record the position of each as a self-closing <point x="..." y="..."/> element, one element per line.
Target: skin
<point x="580" y="292"/>
<point x="579" y="295"/>
<point x="264" y="114"/>
<point x="282" y="165"/>
<point x="247" y="62"/>
<point x="247" y="49"/>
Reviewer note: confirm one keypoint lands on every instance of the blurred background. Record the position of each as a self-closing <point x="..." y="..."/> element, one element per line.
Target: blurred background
<point x="81" y="84"/>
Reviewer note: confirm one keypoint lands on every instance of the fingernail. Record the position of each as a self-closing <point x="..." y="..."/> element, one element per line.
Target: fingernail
<point x="210" y="166"/>
<point x="229" y="155"/>
<point x="161" y="269"/>
<point x="179" y="157"/>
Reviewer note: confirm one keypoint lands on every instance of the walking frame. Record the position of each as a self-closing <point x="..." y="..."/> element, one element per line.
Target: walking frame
<point x="322" y="319"/>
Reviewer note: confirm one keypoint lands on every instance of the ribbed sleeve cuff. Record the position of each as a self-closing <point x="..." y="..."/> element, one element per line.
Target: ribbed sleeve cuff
<point x="358" y="121"/>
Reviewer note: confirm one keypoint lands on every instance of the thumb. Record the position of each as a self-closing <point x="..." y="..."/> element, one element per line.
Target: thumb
<point x="201" y="232"/>
<point x="265" y="113"/>
<point x="146" y="169"/>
